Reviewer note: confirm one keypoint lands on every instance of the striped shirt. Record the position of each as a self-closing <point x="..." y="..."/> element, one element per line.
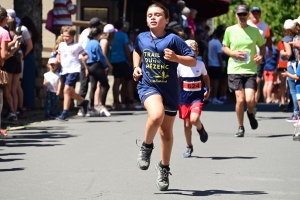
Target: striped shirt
<point x="61" y="13"/>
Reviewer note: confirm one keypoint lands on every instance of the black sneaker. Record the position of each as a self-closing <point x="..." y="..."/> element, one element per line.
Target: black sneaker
<point x="252" y="120"/>
<point x="240" y="132"/>
<point x="188" y="152"/>
<point x="203" y="134"/>
<point x="62" y="117"/>
<point x="84" y="107"/>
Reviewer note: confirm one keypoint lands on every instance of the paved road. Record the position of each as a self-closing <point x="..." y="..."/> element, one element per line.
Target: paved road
<point x="95" y="158"/>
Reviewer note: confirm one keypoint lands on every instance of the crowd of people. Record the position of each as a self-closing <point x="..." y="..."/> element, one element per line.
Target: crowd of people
<point x="175" y="66"/>
<point x="18" y="37"/>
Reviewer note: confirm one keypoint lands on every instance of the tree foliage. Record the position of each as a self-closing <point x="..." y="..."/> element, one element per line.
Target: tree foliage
<point x="274" y="13"/>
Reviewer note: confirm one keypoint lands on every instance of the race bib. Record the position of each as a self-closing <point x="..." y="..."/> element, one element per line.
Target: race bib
<point x="246" y="59"/>
<point x="192" y="86"/>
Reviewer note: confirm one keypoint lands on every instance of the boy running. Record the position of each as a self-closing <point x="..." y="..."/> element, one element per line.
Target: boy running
<point x="192" y="96"/>
<point x="68" y="53"/>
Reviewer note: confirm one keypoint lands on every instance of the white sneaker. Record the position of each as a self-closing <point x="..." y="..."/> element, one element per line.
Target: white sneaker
<point x="104" y="112"/>
<point x="216" y="101"/>
<point x="12" y="116"/>
<point x="296" y="124"/>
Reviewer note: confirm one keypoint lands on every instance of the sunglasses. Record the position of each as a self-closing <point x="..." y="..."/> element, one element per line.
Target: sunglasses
<point x="242" y="14"/>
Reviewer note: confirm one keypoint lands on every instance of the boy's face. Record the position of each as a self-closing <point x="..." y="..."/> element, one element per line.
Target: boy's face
<point x="196" y="52"/>
<point x="68" y="38"/>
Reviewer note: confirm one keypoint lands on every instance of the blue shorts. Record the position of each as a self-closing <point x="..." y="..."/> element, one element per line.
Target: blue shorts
<point x="170" y="104"/>
<point x="70" y="79"/>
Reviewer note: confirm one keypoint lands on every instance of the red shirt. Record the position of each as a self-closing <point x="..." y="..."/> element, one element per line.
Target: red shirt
<point x="281" y="63"/>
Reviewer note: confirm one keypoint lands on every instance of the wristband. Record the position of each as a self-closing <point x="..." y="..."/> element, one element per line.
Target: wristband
<point x="207" y="89"/>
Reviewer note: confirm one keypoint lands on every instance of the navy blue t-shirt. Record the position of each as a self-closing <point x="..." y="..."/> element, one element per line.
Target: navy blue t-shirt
<point x="271" y="62"/>
<point x="158" y="72"/>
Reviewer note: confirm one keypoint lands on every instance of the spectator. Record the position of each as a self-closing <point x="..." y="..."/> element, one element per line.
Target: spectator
<point x="13" y="67"/>
<point x="12" y="14"/>
<point x="52" y="87"/>
<point x="62" y="11"/>
<point x="185" y="13"/>
<point x="201" y="46"/>
<point x="172" y="10"/>
<point x="83" y="40"/>
<point x="290" y="54"/>
<point x="97" y="69"/>
<point x="120" y="56"/>
<point x="182" y="19"/>
<point x="269" y="73"/>
<point x="191" y="22"/>
<point x="28" y="80"/>
<point x="26" y="47"/>
<point x="216" y="66"/>
<point x="4" y="40"/>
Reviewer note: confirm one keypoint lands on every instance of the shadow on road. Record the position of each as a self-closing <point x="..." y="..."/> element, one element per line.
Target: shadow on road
<point x="94" y="121"/>
<point x="224" y="158"/>
<point x="209" y="192"/>
<point x="275" y="136"/>
<point x="11" y="170"/>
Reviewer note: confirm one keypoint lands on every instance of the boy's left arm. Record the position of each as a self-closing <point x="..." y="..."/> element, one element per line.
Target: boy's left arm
<point x="58" y="87"/>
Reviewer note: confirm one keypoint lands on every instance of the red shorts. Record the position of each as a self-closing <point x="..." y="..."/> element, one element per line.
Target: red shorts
<point x="186" y="110"/>
<point x="268" y="76"/>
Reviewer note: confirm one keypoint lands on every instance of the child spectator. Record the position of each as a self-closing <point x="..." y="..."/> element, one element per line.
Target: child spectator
<point x="192" y="96"/>
<point x="68" y="56"/>
<point x="52" y="86"/>
<point x="269" y="73"/>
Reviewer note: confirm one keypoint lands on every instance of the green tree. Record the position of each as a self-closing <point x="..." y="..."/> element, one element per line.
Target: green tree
<point x="274" y="13"/>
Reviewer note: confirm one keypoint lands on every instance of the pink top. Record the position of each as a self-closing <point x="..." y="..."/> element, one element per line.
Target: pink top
<point x="4" y="35"/>
<point x="191" y="24"/>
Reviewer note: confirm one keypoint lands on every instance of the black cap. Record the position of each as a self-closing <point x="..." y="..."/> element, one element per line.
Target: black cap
<point x="241" y="9"/>
<point x="255" y="8"/>
<point x="95" y="22"/>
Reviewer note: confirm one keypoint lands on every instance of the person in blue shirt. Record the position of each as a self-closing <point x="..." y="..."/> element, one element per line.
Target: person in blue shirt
<point x="159" y="51"/>
<point x="97" y="68"/>
<point x="122" y="63"/>
<point x="269" y="72"/>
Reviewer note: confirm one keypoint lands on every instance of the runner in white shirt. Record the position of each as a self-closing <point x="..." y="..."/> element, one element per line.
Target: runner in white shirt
<point x="264" y="30"/>
<point x="192" y="95"/>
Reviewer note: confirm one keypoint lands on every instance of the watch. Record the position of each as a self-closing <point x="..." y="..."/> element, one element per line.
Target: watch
<point x="207" y="89"/>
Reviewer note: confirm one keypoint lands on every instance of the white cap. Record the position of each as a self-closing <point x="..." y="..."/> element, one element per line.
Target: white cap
<point x="109" y="28"/>
<point x="288" y="24"/>
<point x="297" y="20"/>
<point x="11" y="13"/>
<point x="186" y="11"/>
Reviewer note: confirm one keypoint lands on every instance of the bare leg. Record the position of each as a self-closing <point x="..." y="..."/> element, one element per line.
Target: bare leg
<point x="250" y="99"/>
<point x="257" y="94"/>
<point x="188" y="132"/>
<point x="166" y="139"/>
<point x="239" y="107"/>
<point x="14" y="88"/>
<point x="156" y="113"/>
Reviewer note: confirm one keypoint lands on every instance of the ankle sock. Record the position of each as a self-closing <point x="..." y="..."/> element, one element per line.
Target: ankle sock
<point x="148" y="145"/>
<point x="164" y="166"/>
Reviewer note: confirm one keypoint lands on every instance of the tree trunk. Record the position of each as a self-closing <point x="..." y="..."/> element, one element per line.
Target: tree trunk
<point x="33" y="9"/>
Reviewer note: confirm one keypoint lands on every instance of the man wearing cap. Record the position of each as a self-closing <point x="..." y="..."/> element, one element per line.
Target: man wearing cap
<point x="264" y="30"/>
<point x="296" y="43"/>
<point x="83" y="40"/>
<point x="62" y="11"/>
<point x="240" y="43"/>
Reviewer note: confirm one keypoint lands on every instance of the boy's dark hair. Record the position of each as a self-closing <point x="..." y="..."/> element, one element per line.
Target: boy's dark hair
<point x="219" y="33"/>
<point x="118" y="24"/>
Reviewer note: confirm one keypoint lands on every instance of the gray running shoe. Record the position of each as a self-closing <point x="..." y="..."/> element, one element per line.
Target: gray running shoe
<point x="162" y="181"/>
<point x="144" y="156"/>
